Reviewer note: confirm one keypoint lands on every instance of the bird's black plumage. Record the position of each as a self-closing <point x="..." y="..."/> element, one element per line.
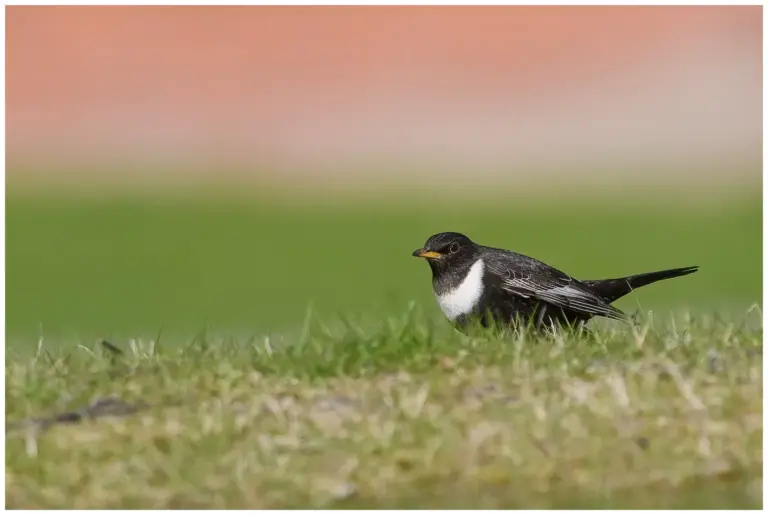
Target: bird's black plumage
<point x="517" y="287"/>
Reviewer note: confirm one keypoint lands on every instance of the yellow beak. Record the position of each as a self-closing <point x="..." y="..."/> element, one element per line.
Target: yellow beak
<point x="428" y="254"/>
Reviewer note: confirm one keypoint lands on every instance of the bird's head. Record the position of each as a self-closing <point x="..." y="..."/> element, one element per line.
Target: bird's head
<point x="447" y="250"/>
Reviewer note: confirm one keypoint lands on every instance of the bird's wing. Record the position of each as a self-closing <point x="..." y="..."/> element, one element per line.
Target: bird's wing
<point x="547" y="284"/>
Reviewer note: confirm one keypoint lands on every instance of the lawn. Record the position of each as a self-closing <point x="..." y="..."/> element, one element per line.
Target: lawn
<point x="276" y="354"/>
<point x="407" y="414"/>
<point x="100" y="266"/>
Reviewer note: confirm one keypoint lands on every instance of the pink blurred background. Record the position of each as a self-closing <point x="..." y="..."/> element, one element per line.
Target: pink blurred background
<point x="360" y="92"/>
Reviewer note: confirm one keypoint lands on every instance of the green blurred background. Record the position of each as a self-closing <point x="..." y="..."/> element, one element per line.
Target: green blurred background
<point x="85" y="266"/>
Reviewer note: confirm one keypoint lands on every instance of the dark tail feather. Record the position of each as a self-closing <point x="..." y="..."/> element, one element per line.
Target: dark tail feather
<point x="612" y="289"/>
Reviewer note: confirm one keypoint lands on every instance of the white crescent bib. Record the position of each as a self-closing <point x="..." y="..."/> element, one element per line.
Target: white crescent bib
<point x="463" y="299"/>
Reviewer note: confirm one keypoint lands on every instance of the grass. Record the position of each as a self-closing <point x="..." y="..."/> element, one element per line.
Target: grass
<point x="403" y="413"/>
<point x="83" y="268"/>
<point x="225" y="393"/>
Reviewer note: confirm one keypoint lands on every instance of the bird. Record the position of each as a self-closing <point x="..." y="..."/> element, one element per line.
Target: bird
<point x="473" y="282"/>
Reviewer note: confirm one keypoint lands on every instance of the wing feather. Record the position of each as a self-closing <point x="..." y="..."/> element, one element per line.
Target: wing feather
<point x="554" y="287"/>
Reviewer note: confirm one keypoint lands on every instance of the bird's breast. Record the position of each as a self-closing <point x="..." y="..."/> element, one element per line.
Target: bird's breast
<point x="462" y="299"/>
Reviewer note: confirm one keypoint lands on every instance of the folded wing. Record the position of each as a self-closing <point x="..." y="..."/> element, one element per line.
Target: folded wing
<point x="556" y="288"/>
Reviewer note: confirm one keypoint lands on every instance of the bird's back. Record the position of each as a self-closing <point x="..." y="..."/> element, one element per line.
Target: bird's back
<point x="516" y="262"/>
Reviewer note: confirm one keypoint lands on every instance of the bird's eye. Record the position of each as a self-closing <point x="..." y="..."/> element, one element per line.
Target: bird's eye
<point x="454" y="248"/>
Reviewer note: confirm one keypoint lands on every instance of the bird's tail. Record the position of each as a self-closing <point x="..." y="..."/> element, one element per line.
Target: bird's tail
<point x="613" y="289"/>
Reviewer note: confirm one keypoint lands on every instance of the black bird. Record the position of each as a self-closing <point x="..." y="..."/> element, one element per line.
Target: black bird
<point x="473" y="281"/>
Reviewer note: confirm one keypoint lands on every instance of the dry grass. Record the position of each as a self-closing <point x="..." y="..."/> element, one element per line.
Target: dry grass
<point x="410" y="414"/>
